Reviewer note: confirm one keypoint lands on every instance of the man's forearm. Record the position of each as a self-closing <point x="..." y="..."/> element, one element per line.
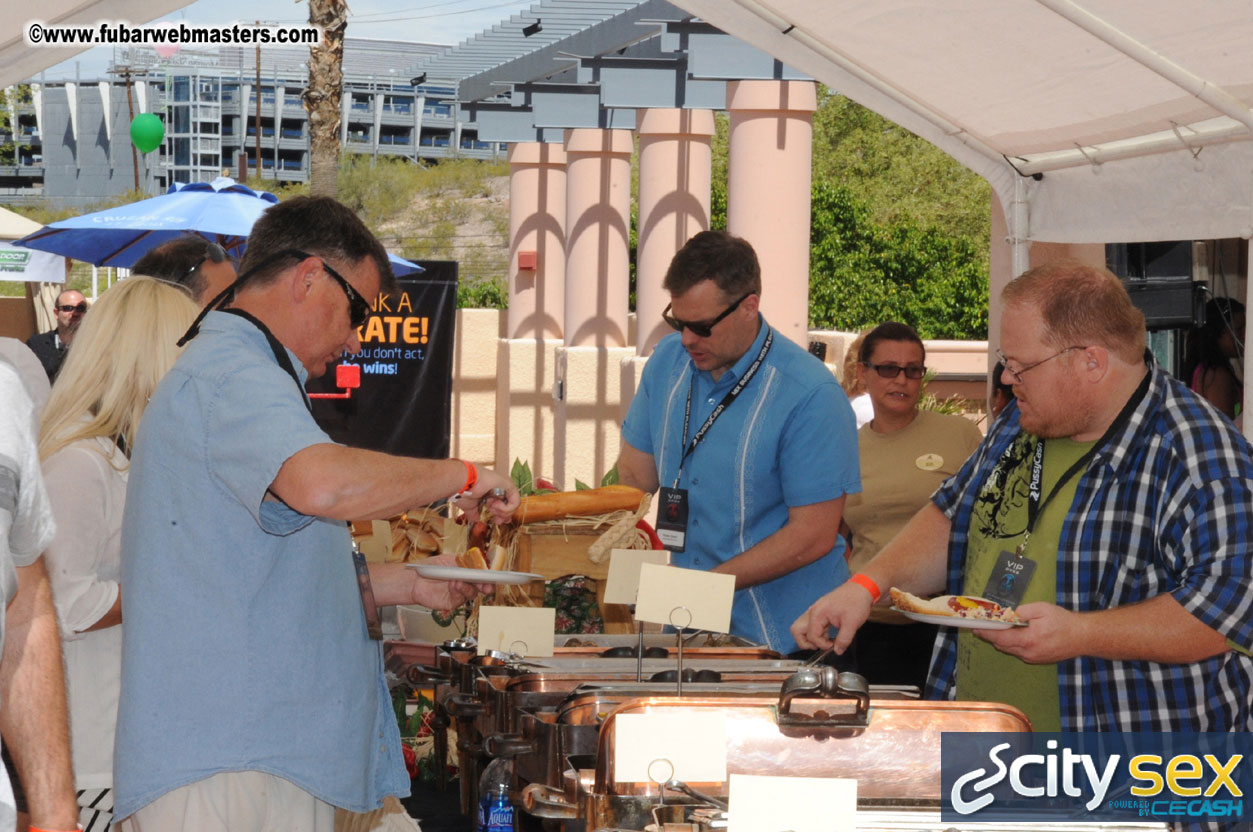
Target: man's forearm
<point x="33" y="717"/>
<point x="916" y="559"/>
<point x="1156" y="630"/>
<point x="809" y="533"/>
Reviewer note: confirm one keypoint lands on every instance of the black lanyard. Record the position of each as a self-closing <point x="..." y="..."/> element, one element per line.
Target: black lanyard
<point x="1035" y="507"/>
<point x="731" y="396"/>
<point x="280" y="352"/>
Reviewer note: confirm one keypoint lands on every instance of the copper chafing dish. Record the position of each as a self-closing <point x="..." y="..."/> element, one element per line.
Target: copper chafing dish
<point x="501" y="694"/>
<point x="890" y="746"/>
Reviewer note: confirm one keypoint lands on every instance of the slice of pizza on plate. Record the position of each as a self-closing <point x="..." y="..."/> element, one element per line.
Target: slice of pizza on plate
<point x="958" y="606"/>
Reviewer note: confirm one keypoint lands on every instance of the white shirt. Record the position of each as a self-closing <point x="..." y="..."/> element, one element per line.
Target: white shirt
<point x="84" y="564"/>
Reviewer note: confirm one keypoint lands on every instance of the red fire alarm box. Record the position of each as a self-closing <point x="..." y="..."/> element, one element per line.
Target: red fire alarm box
<point x="528" y="260"/>
<point x="348" y="376"/>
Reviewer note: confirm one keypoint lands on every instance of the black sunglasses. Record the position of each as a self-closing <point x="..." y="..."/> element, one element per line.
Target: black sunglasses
<point x="81" y="307"/>
<point x="701" y="329"/>
<point x="358" y="307"/>
<point x="212" y="253"/>
<point x="894" y="370"/>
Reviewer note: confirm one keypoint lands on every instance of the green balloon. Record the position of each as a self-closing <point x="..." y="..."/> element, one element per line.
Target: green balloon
<point x="147" y="131"/>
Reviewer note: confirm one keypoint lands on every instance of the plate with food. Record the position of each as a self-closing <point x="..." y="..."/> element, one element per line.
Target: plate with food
<point x="473" y="568"/>
<point x="969" y="611"/>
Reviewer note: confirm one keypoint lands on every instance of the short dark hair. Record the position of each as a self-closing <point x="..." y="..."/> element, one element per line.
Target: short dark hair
<point x="318" y="225"/>
<point x="999" y="386"/>
<point x="176" y="261"/>
<point x="727" y="260"/>
<point x="889" y="331"/>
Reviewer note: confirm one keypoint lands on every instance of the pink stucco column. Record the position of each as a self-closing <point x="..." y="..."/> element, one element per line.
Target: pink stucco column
<point x="675" y="158"/>
<point x="768" y="182"/>
<point x="537" y="219"/>
<point x="598" y="197"/>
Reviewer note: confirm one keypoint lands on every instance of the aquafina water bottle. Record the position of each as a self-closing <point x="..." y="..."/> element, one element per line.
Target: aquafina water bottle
<point x="495" y="808"/>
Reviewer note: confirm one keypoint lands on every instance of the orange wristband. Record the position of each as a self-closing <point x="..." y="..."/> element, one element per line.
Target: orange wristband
<point x="868" y="585"/>
<point x="37" y="829"/>
<point x="472" y="476"/>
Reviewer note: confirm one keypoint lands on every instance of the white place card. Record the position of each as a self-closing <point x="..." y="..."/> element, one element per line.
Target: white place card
<point x="689" y="746"/>
<point x="791" y="804"/>
<point x="527" y="631"/>
<point x="623" y="580"/>
<point x="668" y="594"/>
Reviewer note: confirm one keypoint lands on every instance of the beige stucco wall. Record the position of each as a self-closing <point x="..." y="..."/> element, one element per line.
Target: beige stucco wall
<point x="505" y="404"/>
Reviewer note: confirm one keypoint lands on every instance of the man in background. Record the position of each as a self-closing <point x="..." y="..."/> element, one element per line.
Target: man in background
<point x="49" y="347"/>
<point x="750" y="439"/>
<point x="192" y="261"/>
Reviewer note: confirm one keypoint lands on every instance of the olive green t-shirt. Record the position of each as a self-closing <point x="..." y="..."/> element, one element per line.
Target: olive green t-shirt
<point x="997" y="524"/>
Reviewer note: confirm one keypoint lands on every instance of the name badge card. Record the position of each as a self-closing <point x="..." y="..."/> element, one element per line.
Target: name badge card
<point x="799" y="804"/>
<point x="623" y="582"/>
<point x="689" y="746"/>
<point x="667" y="591"/>
<point x="527" y="631"/>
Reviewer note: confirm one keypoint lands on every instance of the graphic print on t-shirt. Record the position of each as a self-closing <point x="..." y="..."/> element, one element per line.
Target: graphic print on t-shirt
<point x="1000" y="509"/>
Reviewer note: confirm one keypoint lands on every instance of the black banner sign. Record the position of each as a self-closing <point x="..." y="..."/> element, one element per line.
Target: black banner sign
<point x="404" y="404"/>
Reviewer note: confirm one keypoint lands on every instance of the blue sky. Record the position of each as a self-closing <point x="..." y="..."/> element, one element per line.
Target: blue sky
<point x="429" y="21"/>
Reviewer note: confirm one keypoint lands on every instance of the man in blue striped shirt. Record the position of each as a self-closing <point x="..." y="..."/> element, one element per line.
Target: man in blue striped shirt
<point x="1122" y="501"/>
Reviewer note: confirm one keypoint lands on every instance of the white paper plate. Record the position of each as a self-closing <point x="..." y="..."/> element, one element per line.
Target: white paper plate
<point x="957" y="621"/>
<point x="439" y="572"/>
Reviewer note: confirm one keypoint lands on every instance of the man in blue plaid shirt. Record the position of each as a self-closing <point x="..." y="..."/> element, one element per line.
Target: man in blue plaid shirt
<point x="1111" y="506"/>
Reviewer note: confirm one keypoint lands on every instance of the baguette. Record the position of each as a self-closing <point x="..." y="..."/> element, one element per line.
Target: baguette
<point x="955" y="606"/>
<point x="472" y="558"/>
<point x="587" y="503"/>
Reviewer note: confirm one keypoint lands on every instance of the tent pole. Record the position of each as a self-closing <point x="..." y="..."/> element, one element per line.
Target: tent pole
<point x="1245" y="419"/>
<point x="95" y="282"/>
<point x="1019" y="229"/>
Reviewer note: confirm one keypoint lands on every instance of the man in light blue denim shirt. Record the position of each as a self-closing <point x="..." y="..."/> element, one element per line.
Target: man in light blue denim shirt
<point x="252" y="695"/>
<point x="764" y="488"/>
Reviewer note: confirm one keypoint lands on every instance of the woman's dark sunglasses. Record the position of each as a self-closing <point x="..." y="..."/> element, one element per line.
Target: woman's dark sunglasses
<point x="701" y="329"/>
<point x="894" y="370"/>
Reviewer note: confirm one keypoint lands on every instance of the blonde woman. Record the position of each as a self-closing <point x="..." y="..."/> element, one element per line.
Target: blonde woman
<point x="854" y="385"/>
<point x="124" y="346"/>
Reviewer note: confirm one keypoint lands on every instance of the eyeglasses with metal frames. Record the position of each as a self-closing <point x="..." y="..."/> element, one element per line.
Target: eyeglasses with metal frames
<point x="701" y="329"/>
<point x="1016" y="375"/>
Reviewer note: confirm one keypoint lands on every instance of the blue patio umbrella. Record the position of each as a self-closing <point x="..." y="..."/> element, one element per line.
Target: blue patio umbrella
<point x="402" y="267"/>
<point x="222" y="211"/>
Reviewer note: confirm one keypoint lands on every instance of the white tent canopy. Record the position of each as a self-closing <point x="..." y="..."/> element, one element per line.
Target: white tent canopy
<point x="20" y="60"/>
<point x="1135" y="113"/>
<point x="1094" y="122"/>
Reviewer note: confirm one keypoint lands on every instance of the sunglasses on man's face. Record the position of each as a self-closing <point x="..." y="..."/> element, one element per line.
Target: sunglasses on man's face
<point x="358" y="307"/>
<point x="701" y="329"/>
<point x="894" y="370"/>
<point x="67" y="309"/>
